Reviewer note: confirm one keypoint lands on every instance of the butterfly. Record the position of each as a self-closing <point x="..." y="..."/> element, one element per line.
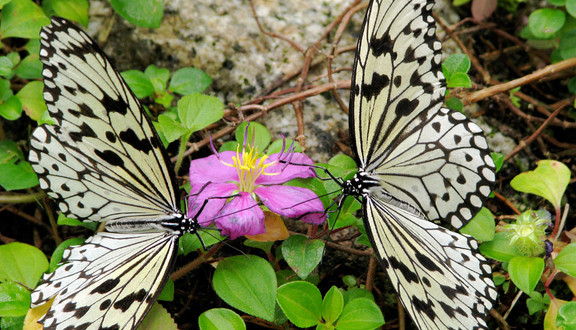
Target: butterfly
<point x="418" y="163"/>
<point x="103" y="161"/>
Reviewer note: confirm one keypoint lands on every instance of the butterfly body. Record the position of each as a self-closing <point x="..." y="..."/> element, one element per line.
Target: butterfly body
<point x="419" y="165"/>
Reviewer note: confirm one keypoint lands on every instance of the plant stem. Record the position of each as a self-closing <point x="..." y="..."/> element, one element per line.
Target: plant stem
<point x="181" y="151"/>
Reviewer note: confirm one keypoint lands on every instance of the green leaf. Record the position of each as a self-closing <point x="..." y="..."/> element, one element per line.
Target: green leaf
<point x="161" y="74"/>
<point x="301" y="254"/>
<point x="59" y="251"/>
<point x="459" y="79"/>
<point x="301" y="302"/>
<point x="565" y="261"/>
<point x="454" y="103"/>
<point x="158" y="318"/>
<point x="22" y="263"/>
<point x="482" y="226"/>
<point x="537" y="302"/>
<point x="247" y="283"/>
<point x="32" y="99"/>
<point x="455" y="63"/>
<point x="571" y="7"/>
<point x="558" y="3"/>
<point x="11" y="109"/>
<point x="356" y="293"/>
<point x="544" y="23"/>
<point x="187" y="81"/>
<point x="74" y="10"/>
<point x="139" y="83"/>
<point x="6" y="67"/>
<point x="499" y="248"/>
<point x="144" y="13"/>
<point x="10" y="152"/>
<point x="190" y="243"/>
<point x="567" y="316"/>
<point x="170" y="128"/>
<point x="167" y="293"/>
<point x="30" y="67"/>
<point x="64" y="221"/>
<point x="332" y="305"/>
<point x="567" y="47"/>
<point x="220" y="318"/>
<point x="498" y="159"/>
<point x="360" y="313"/>
<point x="257" y="135"/>
<point x="22" y="19"/>
<point x="264" y="246"/>
<point x="14" y="299"/>
<point x="197" y="111"/>
<point x="548" y="180"/>
<point x="17" y="176"/>
<point x="5" y="90"/>
<point x="525" y="272"/>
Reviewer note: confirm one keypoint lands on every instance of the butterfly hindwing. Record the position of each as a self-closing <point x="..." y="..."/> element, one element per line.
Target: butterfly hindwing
<point x="448" y="172"/>
<point x="103" y="146"/>
<point x="440" y="277"/>
<point x="109" y="277"/>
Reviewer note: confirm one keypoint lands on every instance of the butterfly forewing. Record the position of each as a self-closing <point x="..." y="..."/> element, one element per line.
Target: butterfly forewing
<point x="110" y="281"/>
<point x="397" y="78"/>
<point x="103" y="160"/>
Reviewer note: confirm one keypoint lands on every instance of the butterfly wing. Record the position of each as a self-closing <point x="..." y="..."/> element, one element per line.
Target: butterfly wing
<point x="109" y="277"/>
<point x="425" y="157"/>
<point x="440" y="277"/>
<point x="103" y="160"/>
<point x="418" y="162"/>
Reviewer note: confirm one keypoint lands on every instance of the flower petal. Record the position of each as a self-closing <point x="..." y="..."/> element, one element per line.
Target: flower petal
<point x="212" y="169"/>
<point x="211" y="193"/>
<point x="241" y="216"/>
<point x="287" y="171"/>
<point x="293" y="202"/>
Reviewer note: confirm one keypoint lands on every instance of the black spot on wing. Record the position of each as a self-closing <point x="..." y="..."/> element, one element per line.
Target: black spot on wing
<point x="406" y="107"/>
<point x="106" y="286"/>
<point x="110" y="157"/>
<point x="125" y="303"/>
<point x="129" y="137"/>
<point x="428" y="263"/>
<point x="381" y="45"/>
<point x="404" y="270"/>
<point x="379" y="82"/>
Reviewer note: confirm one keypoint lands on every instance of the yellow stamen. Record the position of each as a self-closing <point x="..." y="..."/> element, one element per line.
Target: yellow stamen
<point x="249" y="166"/>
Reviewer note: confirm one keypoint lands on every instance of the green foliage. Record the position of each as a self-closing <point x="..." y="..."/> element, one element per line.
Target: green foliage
<point x="525" y="272"/>
<point x="144" y="13"/>
<point x="537" y="302"/>
<point x="549" y="180"/>
<point x="567" y="316"/>
<point x="220" y="318"/>
<point x="303" y="305"/>
<point x="455" y="69"/>
<point x="565" y="261"/>
<point x="553" y="28"/>
<point x="302" y="254"/>
<point x="481" y="227"/>
<point x="247" y="283"/>
<point x="15" y="172"/>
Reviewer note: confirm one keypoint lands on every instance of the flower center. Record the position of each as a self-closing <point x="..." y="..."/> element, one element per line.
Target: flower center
<point x="249" y="165"/>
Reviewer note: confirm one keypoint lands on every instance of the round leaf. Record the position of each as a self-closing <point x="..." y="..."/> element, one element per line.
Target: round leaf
<point x="548" y="180"/>
<point x="186" y="81"/>
<point x="139" y="83"/>
<point x="22" y="263"/>
<point x="220" y="318"/>
<point x="301" y="302"/>
<point x="544" y="23"/>
<point x="360" y="313"/>
<point x="499" y="248"/>
<point x="197" y="111"/>
<point x="332" y="305"/>
<point x="147" y="13"/>
<point x="302" y="255"/>
<point x="566" y="260"/>
<point x="525" y="272"/>
<point x="247" y="283"/>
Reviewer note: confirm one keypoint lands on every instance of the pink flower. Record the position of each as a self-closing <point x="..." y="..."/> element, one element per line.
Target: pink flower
<point x="251" y="177"/>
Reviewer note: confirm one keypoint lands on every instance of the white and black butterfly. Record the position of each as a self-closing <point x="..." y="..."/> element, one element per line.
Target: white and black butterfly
<point x="418" y="163"/>
<point x="103" y="161"/>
